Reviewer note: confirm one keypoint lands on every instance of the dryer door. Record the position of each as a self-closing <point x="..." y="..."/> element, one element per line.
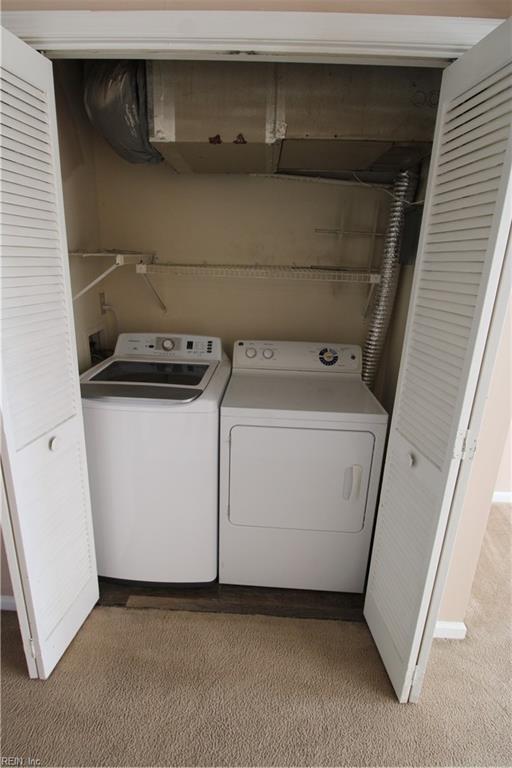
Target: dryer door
<point x="304" y="479"/>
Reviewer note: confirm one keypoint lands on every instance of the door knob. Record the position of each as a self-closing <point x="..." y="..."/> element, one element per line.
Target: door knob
<point x="53" y="443"/>
<point x="411" y="459"/>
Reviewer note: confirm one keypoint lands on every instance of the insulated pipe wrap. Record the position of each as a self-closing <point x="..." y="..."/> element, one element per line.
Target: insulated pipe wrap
<point x="403" y="191"/>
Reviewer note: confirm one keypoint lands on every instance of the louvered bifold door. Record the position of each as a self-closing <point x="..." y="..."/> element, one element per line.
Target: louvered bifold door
<point x="43" y="456"/>
<point x="460" y="257"/>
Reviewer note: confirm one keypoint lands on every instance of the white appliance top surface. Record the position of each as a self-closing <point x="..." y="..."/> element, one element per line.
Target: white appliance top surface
<point x="292" y="377"/>
<point x="289" y="393"/>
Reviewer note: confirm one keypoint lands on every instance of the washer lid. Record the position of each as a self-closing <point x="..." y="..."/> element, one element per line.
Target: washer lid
<point x="151" y="372"/>
<point x="91" y="389"/>
<point x="123" y="377"/>
<point x="299" y="393"/>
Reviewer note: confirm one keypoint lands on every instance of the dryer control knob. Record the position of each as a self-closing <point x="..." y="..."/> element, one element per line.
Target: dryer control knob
<point x="268" y="354"/>
<point x="167" y="344"/>
<point x="250" y="352"/>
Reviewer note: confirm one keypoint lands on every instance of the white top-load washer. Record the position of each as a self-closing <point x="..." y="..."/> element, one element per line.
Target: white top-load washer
<point x="151" y="415"/>
<point x="302" y="442"/>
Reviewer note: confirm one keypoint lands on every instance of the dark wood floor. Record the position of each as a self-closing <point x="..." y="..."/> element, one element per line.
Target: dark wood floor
<point x="224" y="598"/>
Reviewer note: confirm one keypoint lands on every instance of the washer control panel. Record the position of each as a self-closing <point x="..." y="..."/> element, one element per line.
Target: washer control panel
<point x="298" y="356"/>
<point x="168" y="346"/>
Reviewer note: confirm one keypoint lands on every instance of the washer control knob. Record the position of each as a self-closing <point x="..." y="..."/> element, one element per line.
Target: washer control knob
<point x="250" y="352"/>
<point x="268" y="354"/>
<point x="167" y="344"/>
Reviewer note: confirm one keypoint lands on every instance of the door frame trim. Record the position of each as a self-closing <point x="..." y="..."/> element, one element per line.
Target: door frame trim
<point x="263" y="35"/>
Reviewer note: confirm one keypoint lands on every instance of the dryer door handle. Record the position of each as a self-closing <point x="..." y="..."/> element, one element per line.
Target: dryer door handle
<point x="352" y="482"/>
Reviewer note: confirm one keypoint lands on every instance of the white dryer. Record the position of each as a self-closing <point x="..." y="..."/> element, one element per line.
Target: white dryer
<point x="302" y="442"/>
<point x="151" y="414"/>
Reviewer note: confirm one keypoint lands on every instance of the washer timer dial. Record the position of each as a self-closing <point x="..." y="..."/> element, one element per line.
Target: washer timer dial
<point x="328" y="356"/>
<point x="167" y="344"/>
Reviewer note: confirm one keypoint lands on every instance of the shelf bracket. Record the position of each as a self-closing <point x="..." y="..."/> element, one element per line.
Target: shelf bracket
<point x="119" y="262"/>
<point x="155" y="293"/>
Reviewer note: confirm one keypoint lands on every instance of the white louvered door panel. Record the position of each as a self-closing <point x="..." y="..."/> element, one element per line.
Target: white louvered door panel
<point x="44" y="450"/>
<point x="462" y="245"/>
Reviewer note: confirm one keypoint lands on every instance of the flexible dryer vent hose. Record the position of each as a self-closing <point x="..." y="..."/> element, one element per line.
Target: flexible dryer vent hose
<point x="403" y="192"/>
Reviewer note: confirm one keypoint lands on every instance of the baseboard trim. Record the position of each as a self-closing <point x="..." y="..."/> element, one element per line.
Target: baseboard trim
<point x="7" y="603"/>
<point x="450" y="630"/>
<point x="502" y="497"/>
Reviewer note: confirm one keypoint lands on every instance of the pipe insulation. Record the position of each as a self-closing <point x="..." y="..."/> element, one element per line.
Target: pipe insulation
<point x="404" y="188"/>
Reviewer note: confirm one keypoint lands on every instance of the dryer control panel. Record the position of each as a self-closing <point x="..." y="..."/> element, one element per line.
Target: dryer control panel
<point x="172" y="346"/>
<point x="321" y="357"/>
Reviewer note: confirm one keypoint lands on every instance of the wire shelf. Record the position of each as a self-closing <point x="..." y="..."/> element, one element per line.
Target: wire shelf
<point x="263" y="272"/>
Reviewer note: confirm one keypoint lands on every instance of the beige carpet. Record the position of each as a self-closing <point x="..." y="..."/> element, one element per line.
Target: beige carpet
<point x="149" y="687"/>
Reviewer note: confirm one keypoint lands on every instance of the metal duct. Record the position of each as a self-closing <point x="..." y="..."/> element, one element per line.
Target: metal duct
<point x="403" y="191"/>
<point x="115" y="101"/>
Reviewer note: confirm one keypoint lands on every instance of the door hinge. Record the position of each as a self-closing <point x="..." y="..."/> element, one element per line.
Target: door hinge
<point x="32" y="647"/>
<point x="465" y="445"/>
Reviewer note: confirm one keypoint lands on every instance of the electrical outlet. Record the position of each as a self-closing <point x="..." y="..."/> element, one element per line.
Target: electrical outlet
<point x="102" y="303"/>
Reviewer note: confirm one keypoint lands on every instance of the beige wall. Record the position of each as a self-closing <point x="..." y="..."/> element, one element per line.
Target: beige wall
<point x="504" y="478"/>
<point x="76" y="157"/>
<point x="80" y="198"/>
<point x="497" y="9"/>
<point x="236" y="220"/>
